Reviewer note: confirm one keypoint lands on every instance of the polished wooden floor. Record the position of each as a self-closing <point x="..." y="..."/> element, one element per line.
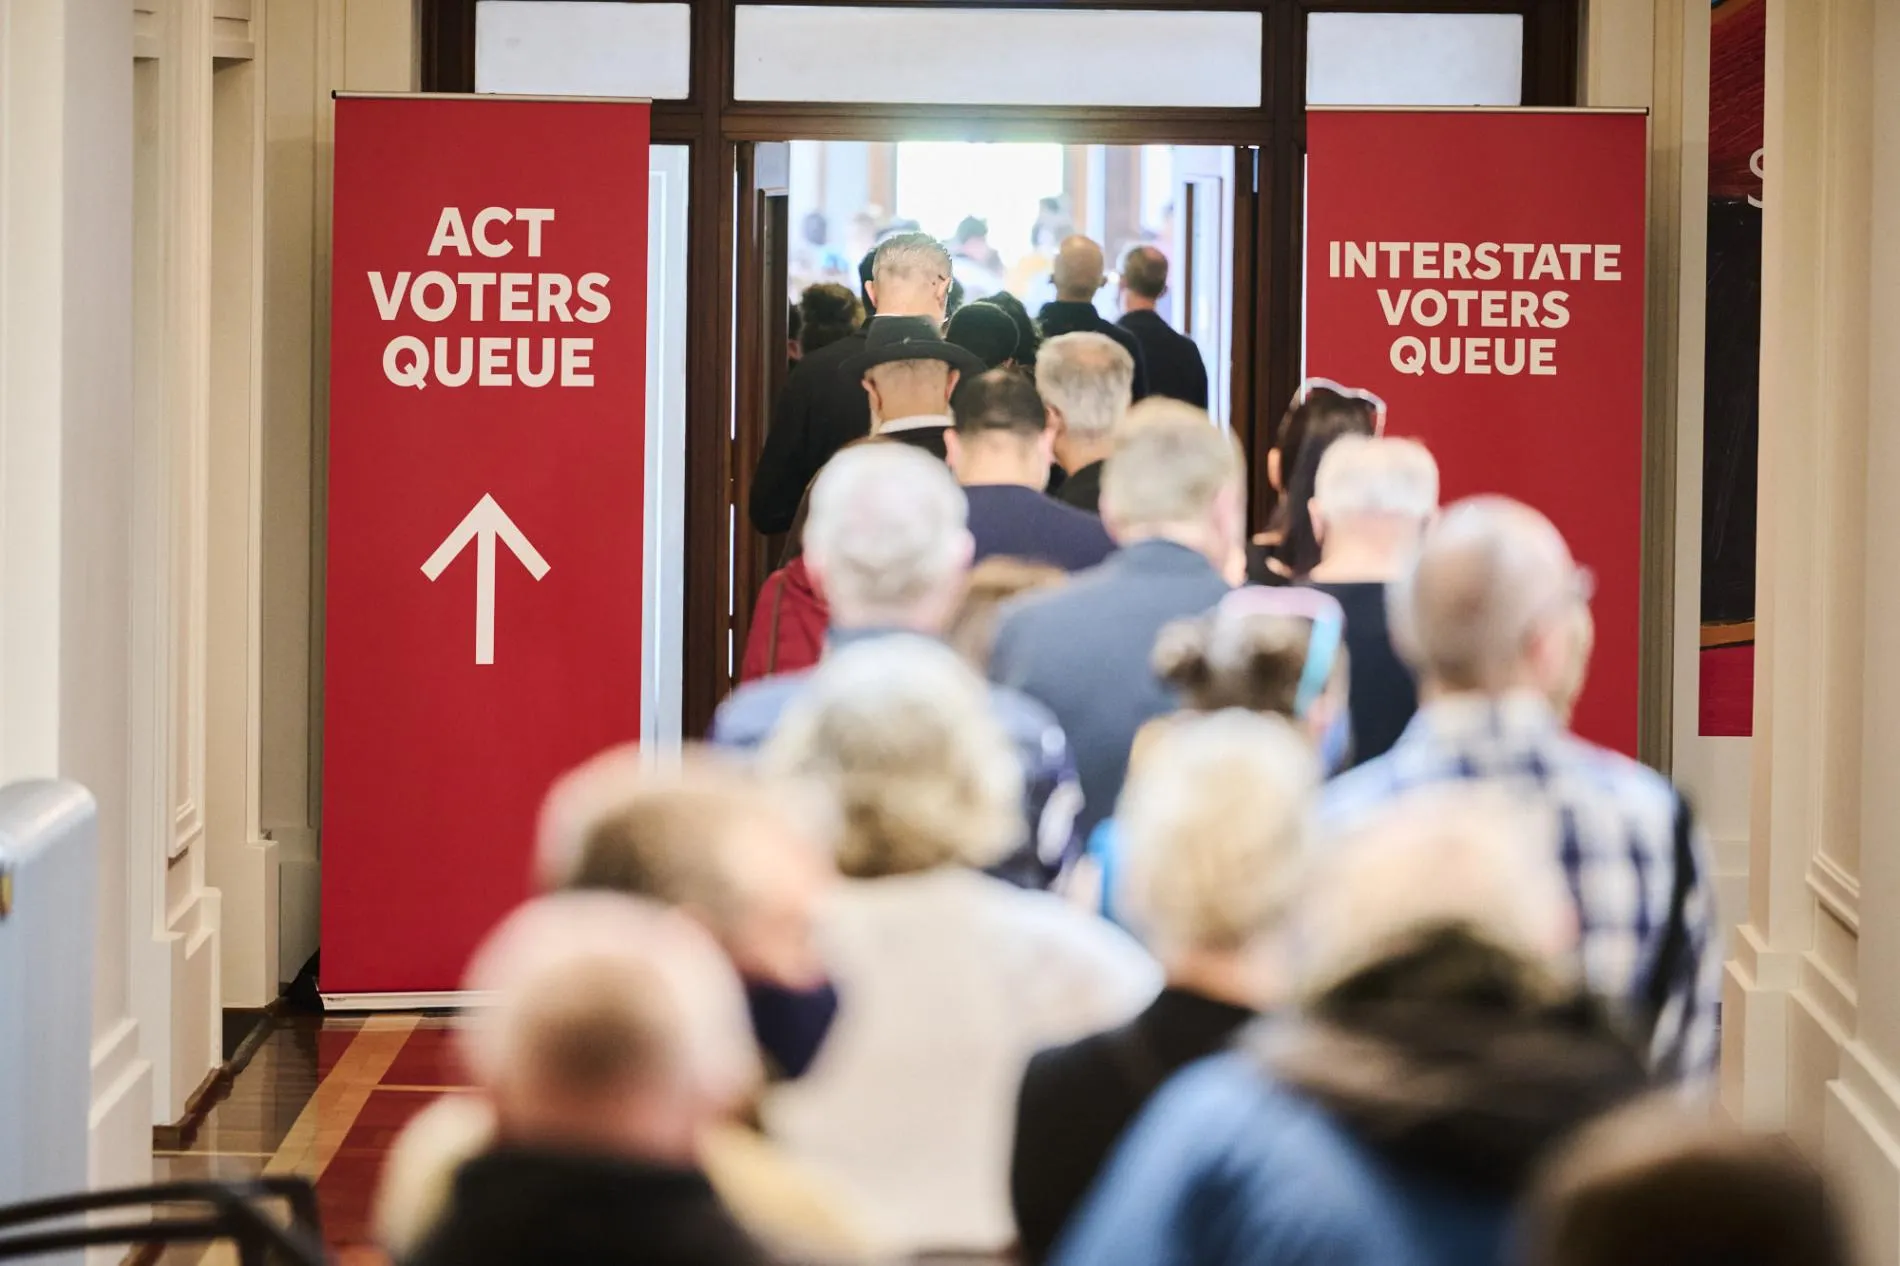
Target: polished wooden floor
<point x="322" y="1097"/>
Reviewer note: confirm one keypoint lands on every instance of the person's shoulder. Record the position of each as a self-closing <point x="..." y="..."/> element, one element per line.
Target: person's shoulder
<point x="828" y="358"/>
<point x="1348" y="798"/>
<point x="1022" y="715"/>
<point x="1270" y="1135"/>
<point x="1074" y="518"/>
<point x="1228" y="1105"/>
<point x="1066" y="1074"/>
<point x="1231" y="1080"/>
<point x="750" y="714"/>
<point x="1061" y="930"/>
<point x="1030" y="612"/>
<point x="1633" y="783"/>
<point x="1045" y="620"/>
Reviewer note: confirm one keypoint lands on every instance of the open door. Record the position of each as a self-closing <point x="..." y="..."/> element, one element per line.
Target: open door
<point x="1218" y="291"/>
<point x="761" y="359"/>
<point x="1203" y="249"/>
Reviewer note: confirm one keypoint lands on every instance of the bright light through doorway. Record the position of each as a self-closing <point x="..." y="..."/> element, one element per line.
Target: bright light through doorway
<point x="941" y="182"/>
<point x="845" y="196"/>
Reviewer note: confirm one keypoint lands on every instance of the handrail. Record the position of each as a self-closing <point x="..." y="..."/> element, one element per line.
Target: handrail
<point x="292" y="1188"/>
<point x="235" y="1217"/>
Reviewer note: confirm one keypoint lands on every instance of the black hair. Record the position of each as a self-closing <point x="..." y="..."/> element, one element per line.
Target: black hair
<point x="1000" y="400"/>
<point x="1306" y="432"/>
<point x="1028" y="337"/>
<point x="867" y="267"/>
<point x="984" y="330"/>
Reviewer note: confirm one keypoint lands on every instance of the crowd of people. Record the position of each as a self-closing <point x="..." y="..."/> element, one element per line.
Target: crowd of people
<point x="1078" y="881"/>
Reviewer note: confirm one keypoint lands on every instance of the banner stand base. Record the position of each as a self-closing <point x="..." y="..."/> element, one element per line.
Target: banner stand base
<point x="427" y="1000"/>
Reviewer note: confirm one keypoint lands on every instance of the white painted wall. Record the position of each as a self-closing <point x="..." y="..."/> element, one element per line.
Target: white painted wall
<point x="108" y="382"/>
<point x="65" y="485"/>
<point x="948" y="55"/>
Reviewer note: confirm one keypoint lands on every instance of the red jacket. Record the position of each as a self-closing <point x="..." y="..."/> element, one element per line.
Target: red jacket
<point x="788" y="625"/>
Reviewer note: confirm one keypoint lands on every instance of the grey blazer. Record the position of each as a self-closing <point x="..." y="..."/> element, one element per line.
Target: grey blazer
<point x="1082" y="650"/>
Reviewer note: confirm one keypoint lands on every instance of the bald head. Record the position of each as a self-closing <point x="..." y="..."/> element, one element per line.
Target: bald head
<point x="613" y="1025"/>
<point x="1078" y="270"/>
<point x="1490" y="602"/>
<point x="1449" y="855"/>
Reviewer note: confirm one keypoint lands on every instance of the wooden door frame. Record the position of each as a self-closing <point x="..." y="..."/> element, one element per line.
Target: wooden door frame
<point x="712" y="125"/>
<point x="762" y="180"/>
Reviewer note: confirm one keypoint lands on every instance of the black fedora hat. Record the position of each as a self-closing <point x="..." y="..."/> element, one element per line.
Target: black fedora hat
<point x="894" y="338"/>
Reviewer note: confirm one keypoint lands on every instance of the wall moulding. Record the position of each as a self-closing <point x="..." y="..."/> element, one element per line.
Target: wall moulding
<point x="1836" y="890"/>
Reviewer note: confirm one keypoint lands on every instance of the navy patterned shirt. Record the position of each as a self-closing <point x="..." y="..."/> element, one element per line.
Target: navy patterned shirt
<point x="1617" y="824"/>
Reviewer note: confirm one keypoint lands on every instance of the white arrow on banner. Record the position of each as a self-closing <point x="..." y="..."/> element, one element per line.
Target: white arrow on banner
<point x="482" y="525"/>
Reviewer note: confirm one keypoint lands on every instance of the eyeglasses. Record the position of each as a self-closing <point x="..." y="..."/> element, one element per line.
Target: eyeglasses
<point x="1306" y="389"/>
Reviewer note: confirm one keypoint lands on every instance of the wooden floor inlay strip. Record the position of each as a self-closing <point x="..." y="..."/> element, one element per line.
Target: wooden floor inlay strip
<point x="326" y="1120"/>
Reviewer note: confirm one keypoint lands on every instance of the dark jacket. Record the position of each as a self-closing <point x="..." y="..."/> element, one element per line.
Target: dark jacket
<point x="821" y="409"/>
<point x="516" y="1207"/>
<point x="1394" y="1124"/>
<point x="1076" y="1100"/>
<point x="1384" y="694"/>
<point x="1082" y="650"/>
<point x="1175" y="367"/>
<point x="1069" y="316"/>
<point x="1011" y="521"/>
<point x="1083" y="489"/>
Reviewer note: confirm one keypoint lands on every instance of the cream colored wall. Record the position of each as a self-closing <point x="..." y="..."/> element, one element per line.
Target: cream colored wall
<point x="315" y="47"/>
<point x="176" y="987"/>
<point x="1655" y="54"/>
<point x="66" y="700"/>
<point x="101" y="536"/>
<point x="1813" y="998"/>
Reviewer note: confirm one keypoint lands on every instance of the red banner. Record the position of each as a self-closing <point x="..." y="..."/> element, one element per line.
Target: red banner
<point x="486" y="479"/>
<point x="1482" y="271"/>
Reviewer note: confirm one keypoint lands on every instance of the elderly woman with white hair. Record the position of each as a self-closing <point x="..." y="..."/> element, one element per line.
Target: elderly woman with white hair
<point x="948" y="979"/>
<point x="1439" y="1049"/>
<point x="1212" y="829"/>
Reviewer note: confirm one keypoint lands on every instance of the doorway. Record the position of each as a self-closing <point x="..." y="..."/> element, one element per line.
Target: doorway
<point x="1003" y="207"/>
<point x="809" y="211"/>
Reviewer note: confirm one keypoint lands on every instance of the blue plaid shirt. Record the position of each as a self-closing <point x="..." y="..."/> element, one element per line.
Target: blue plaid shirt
<point x="1052" y="791"/>
<point x="1617" y="823"/>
